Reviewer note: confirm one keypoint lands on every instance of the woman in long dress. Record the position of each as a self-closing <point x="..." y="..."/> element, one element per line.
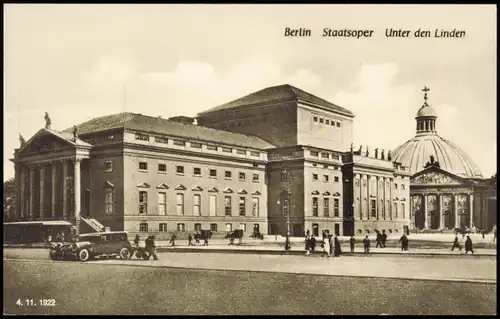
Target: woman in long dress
<point x="326" y="246"/>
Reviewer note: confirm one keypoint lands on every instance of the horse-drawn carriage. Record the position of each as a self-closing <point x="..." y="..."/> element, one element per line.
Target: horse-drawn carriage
<point x="203" y="234"/>
<point x="257" y="235"/>
<point x="235" y="234"/>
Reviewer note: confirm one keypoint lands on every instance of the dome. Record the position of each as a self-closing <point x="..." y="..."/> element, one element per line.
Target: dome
<point x="426" y="111"/>
<point x="416" y="152"/>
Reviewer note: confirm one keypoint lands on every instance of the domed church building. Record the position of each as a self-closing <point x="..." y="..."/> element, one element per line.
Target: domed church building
<point x="447" y="189"/>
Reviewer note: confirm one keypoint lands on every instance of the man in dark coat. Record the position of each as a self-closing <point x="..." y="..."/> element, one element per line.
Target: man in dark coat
<point x="336" y="249"/>
<point x="404" y="242"/>
<point x="172" y="239"/>
<point x="366" y="244"/>
<point x="456" y="244"/>
<point x="352" y="243"/>
<point x="136" y="240"/>
<point x="308" y="244"/>
<point x="312" y="243"/>
<point x="151" y="246"/>
<point x="190" y="240"/>
<point x="468" y="245"/>
<point x="383" y="238"/>
<point x="378" y="240"/>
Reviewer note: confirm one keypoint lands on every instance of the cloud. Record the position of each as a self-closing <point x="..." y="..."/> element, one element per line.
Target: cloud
<point x="186" y="73"/>
<point x="110" y="70"/>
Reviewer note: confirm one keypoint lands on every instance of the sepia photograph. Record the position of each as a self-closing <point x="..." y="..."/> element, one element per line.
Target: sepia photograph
<point x="249" y="159"/>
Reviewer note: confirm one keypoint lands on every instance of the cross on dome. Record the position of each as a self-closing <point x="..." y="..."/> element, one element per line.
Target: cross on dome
<point x="425" y="90"/>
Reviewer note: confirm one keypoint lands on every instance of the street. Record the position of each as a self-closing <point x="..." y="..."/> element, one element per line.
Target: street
<point x="250" y="284"/>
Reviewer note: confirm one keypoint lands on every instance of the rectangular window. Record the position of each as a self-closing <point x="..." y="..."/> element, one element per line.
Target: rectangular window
<point x="336" y="210"/>
<point x="227" y="174"/>
<point x="315" y="206"/>
<point x="195" y="145"/>
<point x="108" y="201"/>
<point x="229" y="227"/>
<point x="143" y="166"/>
<point x="255" y="154"/>
<point x="196" y="205"/>
<point x="163" y="227"/>
<point x="213" y="205"/>
<point x="143" y="202"/>
<point x="315" y="119"/>
<point x="327" y="122"/>
<point x="373" y="208"/>
<point x="162" y="168"/>
<point x="403" y="210"/>
<point x="315" y="230"/>
<point x="332" y="123"/>
<point x="321" y="120"/>
<point x="227" y="150"/>
<point x="227" y="206"/>
<point x="243" y="227"/>
<point x="197" y="171"/>
<point x="241" y="176"/>
<point x="213" y="227"/>
<point x="255" y="207"/>
<point x="141" y="137"/>
<point x="241" y="152"/>
<point x="338" y="124"/>
<point x="179" y="143"/>
<point x="315" y="177"/>
<point x="395" y="186"/>
<point x="213" y="173"/>
<point x="403" y="186"/>
<point x="336" y="179"/>
<point x="108" y="166"/>
<point x="181" y="227"/>
<point x="162" y="203"/>
<point x="325" y="178"/>
<point x="242" y="206"/>
<point x="180" y="204"/>
<point x="197" y="227"/>
<point x="255" y="178"/>
<point x="313" y="153"/>
<point x="179" y="169"/>
<point x="326" y="207"/>
<point x="211" y="147"/>
<point x="395" y="210"/>
<point x="159" y="139"/>
<point x="325" y="155"/>
<point x="143" y="227"/>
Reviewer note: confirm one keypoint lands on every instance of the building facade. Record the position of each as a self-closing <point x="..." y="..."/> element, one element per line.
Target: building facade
<point x="274" y="161"/>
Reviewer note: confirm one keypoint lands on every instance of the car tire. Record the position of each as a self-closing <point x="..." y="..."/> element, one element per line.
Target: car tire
<point x="53" y="255"/>
<point x="83" y="255"/>
<point x="146" y="255"/>
<point x="125" y="253"/>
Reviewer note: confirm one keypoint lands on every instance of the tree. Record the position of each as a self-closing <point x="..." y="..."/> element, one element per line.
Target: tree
<point x="9" y="199"/>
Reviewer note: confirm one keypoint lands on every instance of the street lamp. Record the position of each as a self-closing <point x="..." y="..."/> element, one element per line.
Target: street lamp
<point x="287" y="239"/>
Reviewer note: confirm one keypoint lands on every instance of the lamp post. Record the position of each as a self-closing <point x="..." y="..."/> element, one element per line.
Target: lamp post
<point x="287" y="239"/>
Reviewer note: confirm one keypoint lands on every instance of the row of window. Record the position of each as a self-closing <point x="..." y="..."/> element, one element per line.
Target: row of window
<point x="245" y="122"/>
<point x="326" y="207"/>
<point x="373" y="184"/>
<point x="326" y="178"/>
<point x="325" y="121"/>
<point x="181" y="227"/>
<point x="326" y="166"/>
<point x="180" y="170"/>
<point x="324" y="155"/>
<point x="178" y="142"/>
<point x="386" y="208"/>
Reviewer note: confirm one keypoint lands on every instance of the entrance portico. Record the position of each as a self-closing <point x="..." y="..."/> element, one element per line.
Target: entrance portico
<point x="49" y="170"/>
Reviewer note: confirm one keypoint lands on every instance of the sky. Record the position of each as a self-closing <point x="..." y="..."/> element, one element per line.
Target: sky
<point x="81" y="61"/>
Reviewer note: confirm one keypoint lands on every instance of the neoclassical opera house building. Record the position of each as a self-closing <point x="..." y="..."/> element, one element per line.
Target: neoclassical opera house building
<point x="447" y="189"/>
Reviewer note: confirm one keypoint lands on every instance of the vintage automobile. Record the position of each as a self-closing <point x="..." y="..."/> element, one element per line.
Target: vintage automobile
<point x="94" y="245"/>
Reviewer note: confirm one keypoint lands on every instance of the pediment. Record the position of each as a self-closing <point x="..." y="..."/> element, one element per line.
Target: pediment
<point x="256" y="193"/>
<point x="213" y="190"/>
<point x="180" y="188"/>
<point x="45" y="141"/>
<point x="315" y="193"/>
<point x="327" y="193"/>
<point x="336" y="194"/>
<point x="143" y="185"/>
<point x="242" y="191"/>
<point x="108" y="184"/>
<point x="228" y="191"/>
<point x="162" y="186"/>
<point x="197" y="189"/>
<point x="432" y="176"/>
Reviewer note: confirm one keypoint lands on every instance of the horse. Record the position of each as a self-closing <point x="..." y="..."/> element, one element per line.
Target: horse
<point x="236" y="234"/>
<point x="204" y="235"/>
<point x="257" y="235"/>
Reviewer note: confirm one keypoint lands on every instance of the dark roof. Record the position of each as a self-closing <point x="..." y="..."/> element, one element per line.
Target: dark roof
<point x="280" y="93"/>
<point x="139" y="122"/>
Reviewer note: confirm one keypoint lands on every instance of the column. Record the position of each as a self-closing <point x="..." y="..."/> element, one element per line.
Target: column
<point x="441" y="218"/>
<point x="426" y="219"/>
<point x="471" y="210"/>
<point x="22" y="204"/>
<point x="368" y="212"/>
<point x="42" y="192"/>
<point x="32" y="191"/>
<point x="64" y="164"/>
<point x="76" y="180"/>
<point x="54" y="189"/>
<point x="455" y="210"/>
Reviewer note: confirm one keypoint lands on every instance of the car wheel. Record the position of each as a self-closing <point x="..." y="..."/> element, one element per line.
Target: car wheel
<point x="53" y="255"/>
<point x="146" y="255"/>
<point x="84" y="255"/>
<point x="125" y="253"/>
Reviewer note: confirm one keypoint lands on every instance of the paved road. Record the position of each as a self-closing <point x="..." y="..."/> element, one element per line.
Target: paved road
<point x="106" y="289"/>
<point x="460" y="268"/>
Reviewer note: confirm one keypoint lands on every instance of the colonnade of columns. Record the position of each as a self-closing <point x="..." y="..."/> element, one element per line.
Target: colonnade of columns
<point x="440" y="210"/>
<point x="28" y="213"/>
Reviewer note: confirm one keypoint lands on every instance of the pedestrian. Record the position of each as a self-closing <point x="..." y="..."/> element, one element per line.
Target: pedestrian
<point x="136" y="240"/>
<point x="313" y="244"/>
<point x="456" y="244"/>
<point x="404" y="242"/>
<point x="352" y="243"/>
<point x="190" y="240"/>
<point x="206" y="236"/>
<point x="326" y="246"/>
<point x="384" y="238"/>
<point x="494" y="232"/>
<point x="468" y="245"/>
<point x="151" y="247"/>
<point x="308" y="245"/>
<point x="366" y="244"/>
<point x="378" y="240"/>
<point x="197" y="237"/>
<point x="337" y="249"/>
<point x="172" y="239"/>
